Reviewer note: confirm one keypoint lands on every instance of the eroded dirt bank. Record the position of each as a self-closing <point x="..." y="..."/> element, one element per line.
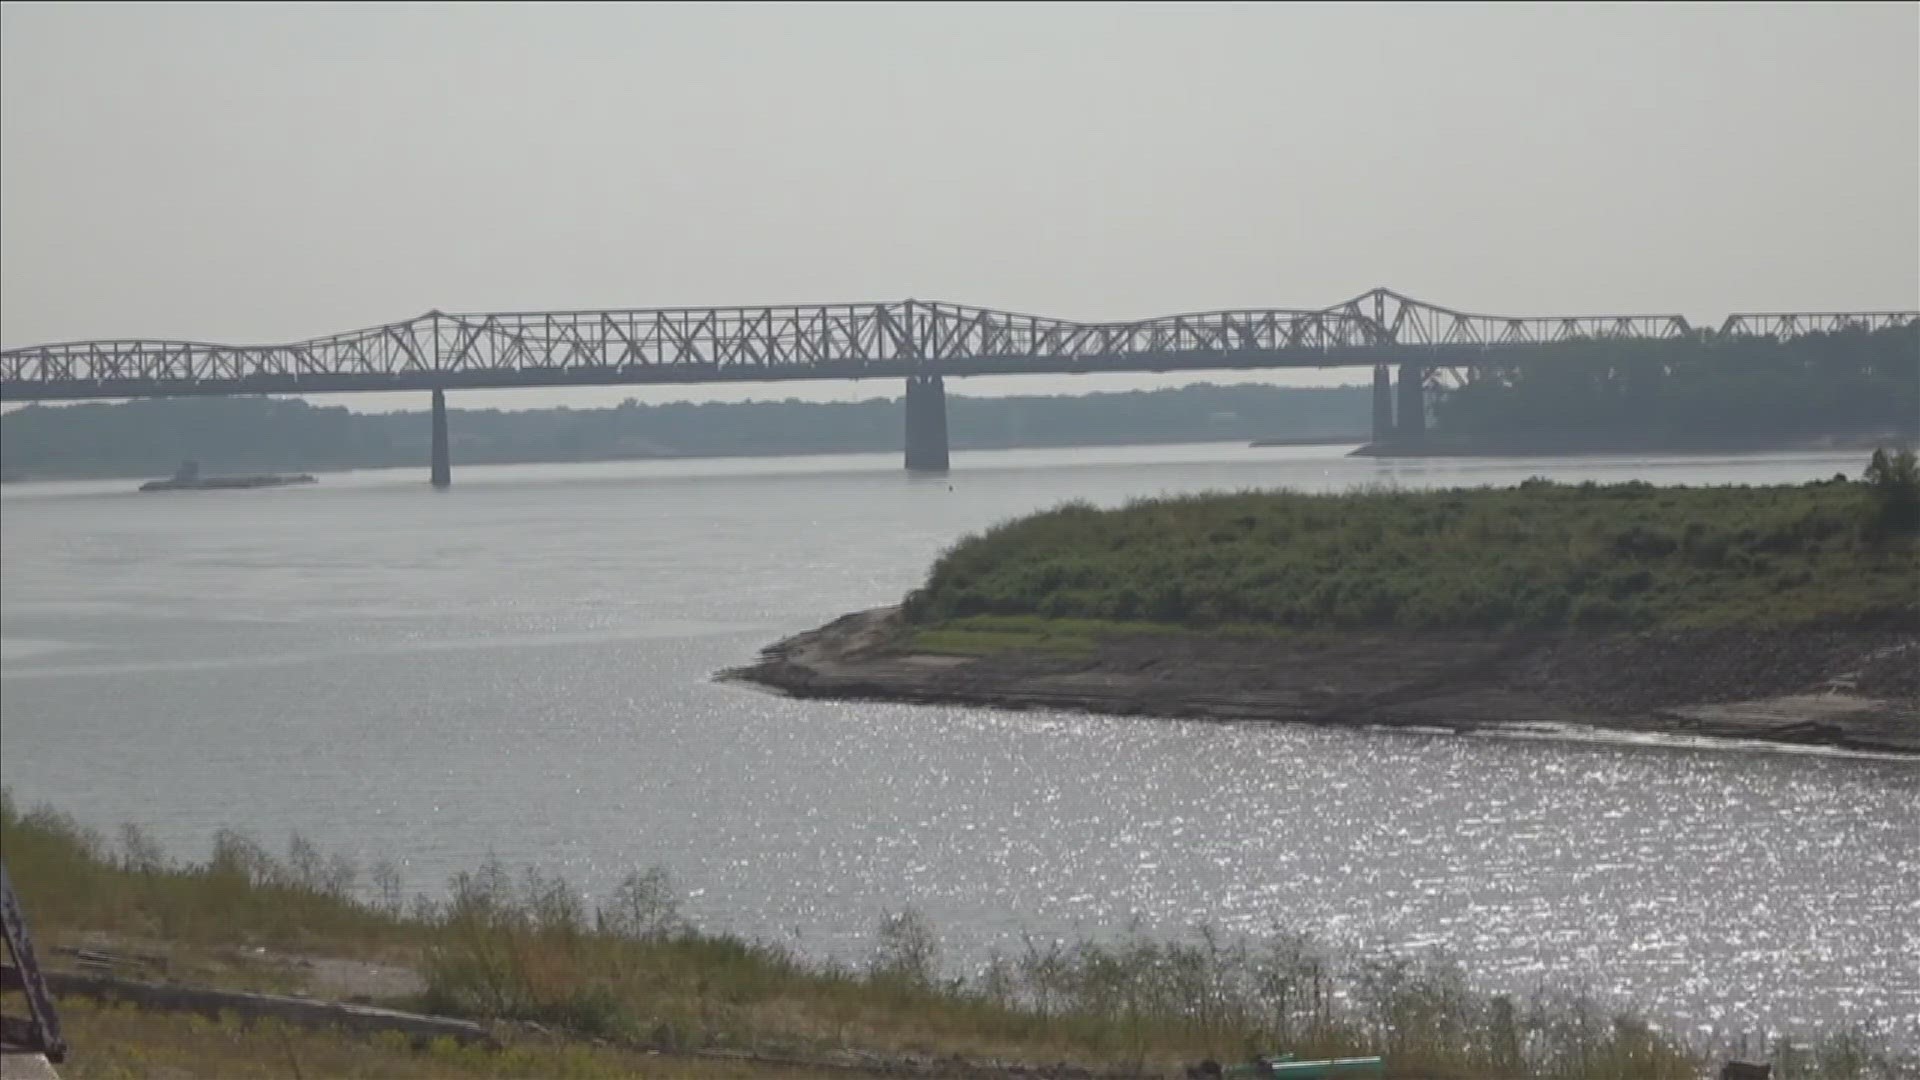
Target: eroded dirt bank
<point x="1858" y="689"/>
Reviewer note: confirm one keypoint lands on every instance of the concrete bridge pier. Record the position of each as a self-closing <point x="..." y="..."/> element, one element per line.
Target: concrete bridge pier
<point x="926" y="424"/>
<point x="1382" y="403"/>
<point x="1413" y="403"/>
<point x="442" y="461"/>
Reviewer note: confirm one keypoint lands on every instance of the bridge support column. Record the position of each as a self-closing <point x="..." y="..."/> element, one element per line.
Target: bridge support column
<point x="1382" y="403"/>
<point x="1413" y="403"/>
<point x="926" y="424"/>
<point x="442" y="461"/>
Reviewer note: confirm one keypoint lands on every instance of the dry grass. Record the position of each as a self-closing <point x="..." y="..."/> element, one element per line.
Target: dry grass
<point x="120" y="1043"/>
<point x="527" y="948"/>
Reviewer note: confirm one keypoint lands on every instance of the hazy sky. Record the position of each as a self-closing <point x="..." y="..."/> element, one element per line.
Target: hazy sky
<point x="270" y="173"/>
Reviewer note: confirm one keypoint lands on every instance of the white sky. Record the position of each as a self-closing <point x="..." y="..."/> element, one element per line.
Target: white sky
<point x="271" y="173"/>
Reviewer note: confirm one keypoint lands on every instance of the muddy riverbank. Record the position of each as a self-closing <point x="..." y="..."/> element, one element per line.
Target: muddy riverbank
<point x="1856" y="689"/>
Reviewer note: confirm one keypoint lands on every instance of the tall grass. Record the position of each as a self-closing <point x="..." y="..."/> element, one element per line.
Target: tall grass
<point x="528" y="946"/>
<point x="1537" y="556"/>
<point x="132" y="888"/>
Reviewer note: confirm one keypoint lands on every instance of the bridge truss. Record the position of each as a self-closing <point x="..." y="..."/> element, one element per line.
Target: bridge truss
<point x="556" y="348"/>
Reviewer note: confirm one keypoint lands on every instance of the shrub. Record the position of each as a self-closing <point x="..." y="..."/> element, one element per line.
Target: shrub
<point x="645" y="907"/>
<point x="1893" y="485"/>
<point x="906" y="951"/>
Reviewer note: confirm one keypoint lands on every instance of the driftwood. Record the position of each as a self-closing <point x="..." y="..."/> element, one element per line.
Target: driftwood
<point x="306" y="1012"/>
<point x="101" y="962"/>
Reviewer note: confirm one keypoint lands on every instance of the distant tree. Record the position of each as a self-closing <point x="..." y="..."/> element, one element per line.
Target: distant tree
<point x="1894" y="483"/>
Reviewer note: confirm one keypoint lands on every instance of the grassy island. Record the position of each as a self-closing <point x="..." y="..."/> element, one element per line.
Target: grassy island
<point x="1787" y="613"/>
<point x="1541" y="556"/>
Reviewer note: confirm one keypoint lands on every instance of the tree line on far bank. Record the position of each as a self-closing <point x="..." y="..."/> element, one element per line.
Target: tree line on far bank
<point x="239" y="434"/>
<point x="1692" y="391"/>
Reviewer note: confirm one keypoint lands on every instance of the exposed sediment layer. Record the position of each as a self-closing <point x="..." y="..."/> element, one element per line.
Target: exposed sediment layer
<point x="1856" y="689"/>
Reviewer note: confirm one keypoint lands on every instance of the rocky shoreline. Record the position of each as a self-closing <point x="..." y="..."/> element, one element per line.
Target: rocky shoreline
<point x="1857" y="689"/>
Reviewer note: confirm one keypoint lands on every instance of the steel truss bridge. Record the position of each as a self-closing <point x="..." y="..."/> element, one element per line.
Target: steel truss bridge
<point x="439" y="351"/>
<point x="920" y="341"/>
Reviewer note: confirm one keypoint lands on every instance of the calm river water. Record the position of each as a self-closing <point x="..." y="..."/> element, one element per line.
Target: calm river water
<point x="521" y="666"/>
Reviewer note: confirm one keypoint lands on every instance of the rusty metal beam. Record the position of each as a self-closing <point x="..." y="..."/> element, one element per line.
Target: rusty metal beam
<point x="39" y="1030"/>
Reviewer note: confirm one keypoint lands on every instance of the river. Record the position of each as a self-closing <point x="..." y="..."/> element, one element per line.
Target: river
<point x="521" y="666"/>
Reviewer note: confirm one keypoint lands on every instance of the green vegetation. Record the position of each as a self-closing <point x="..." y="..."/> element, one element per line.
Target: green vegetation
<point x="230" y="435"/>
<point x="1704" y="391"/>
<point x="634" y="974"/>
<point x="1539" y="556"/>
<point x="985" y="635"/>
